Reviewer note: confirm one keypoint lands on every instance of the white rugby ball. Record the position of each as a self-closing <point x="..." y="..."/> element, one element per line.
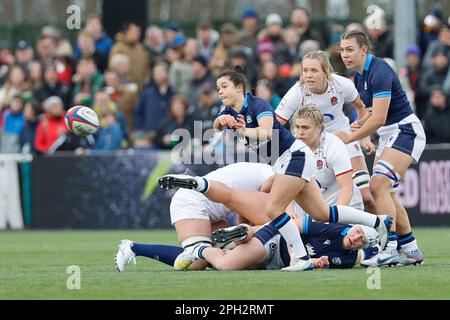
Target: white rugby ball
<point x="82" y="120"/>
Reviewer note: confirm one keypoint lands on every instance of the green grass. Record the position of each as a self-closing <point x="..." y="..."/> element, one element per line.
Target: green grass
<point x="33" y="266"/>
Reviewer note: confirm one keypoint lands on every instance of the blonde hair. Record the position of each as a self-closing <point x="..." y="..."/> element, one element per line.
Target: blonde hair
<point x="324" y="63"/>
<point x="310" y="112"/>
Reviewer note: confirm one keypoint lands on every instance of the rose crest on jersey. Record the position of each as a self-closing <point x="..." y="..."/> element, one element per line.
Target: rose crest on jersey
<point x="334" y="100"/>
<point x="319" y="164"/>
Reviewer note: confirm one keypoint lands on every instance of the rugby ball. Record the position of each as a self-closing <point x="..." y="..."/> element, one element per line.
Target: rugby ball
<point x="82" y="121"/>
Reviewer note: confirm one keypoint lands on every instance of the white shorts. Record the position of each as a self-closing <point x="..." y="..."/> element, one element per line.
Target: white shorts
<point x="298" y="161"/>
<point x="406" y="136"/>
<point x="188" y="204"/>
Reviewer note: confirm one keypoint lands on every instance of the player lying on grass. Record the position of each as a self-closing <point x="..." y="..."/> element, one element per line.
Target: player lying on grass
<point x="333" y="245"/>
<point x="255" y="201"/>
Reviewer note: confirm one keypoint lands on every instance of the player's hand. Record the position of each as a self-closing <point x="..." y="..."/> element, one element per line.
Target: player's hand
<point x="321" y="262"/>
<point x="368" y="146"/>
<point x="227" y="121"/>
<point x="240" y="123"/>
<point x="343" y="136"/>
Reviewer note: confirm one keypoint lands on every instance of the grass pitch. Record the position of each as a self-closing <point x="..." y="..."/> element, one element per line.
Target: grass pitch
<point x="33" y="265"/>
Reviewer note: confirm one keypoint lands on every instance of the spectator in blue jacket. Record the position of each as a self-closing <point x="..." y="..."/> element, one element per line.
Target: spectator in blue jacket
<point x="154" y="100"/>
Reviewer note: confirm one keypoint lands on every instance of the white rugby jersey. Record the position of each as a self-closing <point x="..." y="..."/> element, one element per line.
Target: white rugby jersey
<point x="332" y="160"/>
<point x="330" y="103"/>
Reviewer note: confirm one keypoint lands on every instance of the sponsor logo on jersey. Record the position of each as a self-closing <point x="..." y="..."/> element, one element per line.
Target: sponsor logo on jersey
<point x="249" y="118"/>
<point x="334" y="100"/>
<point x="356" y="147"/>
<point x="327" y="241"/>
<point x="365" y="85"/>
<point x="310" y="249"/>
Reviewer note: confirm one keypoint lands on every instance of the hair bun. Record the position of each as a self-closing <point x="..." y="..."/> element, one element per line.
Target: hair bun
<point x="238" y="68"/>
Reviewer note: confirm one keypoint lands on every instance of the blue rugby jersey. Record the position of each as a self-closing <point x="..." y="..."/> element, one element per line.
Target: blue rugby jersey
<point x="255" y="109"/>
<point x="378" y="80"/>
<point x="321" y="239"/>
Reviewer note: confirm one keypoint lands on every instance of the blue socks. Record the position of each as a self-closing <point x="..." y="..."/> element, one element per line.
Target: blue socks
<point x="165" y="254"/>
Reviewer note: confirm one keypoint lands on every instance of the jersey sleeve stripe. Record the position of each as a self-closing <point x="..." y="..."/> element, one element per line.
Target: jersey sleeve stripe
<point x="281" y="117"/>
<point x="340" y="174"/>
<point x="382" y="94"/>
<point x="264" y="114"/>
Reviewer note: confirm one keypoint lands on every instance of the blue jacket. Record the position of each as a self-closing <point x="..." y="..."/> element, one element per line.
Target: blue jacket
<point x="151" y="108"/>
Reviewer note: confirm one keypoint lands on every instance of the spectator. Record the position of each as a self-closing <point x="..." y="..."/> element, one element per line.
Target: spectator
<point x="51" y="127"/>
<point x="24" y="56"/>
<point x="274" y="34"/>
<point x="176" y="119"/>
<point x="412" y="71"/>
<point x="207" y="38"/>
<point x="88" y="81"/>
<point x="265" y="90"/>
<point x="228" y="36"/>
<point x="269" y="72"/>
<point x="110" y="135"/>
<point x="208" y="107"/>
<point x="250" y="28"/>
<point x="292" y="39"/>
<point x="170" y="32"/>
<point x="202" y="75"/>
<point x="46" y="49"/>
<point x="334" y="55"/>
<point x="14" y="85"/>
<point x="437" y="117"/>
<point x="127" y="42"/>
<point x="7" y="59"/>
<point x="154" y="44"/>
<point x="102" y="42"/>
<point x="300" y="20"/>
<point x="35" y="75"/>
<point x="433" y="75"/>
<point x="180" y="70"/>
<point x="190" y="50"/>
<point x="381" y="36"/>
<point x="153" y="101"/>
<point x="404" y="81"/>
<point x="431" y="26"/>
<point x="413" y="65"/>
<point x="103" y="105"/>
<point x="64" y="67"/>
<point x="61" y="44"/>
<point x="87" y="49"/>
<point x="354" y="26"/>
<point x="121" y="64"/>
<point x="124" y="95"/>
<point x="13" y="124"/>
<point x="265" y="51"/>
<point x="309" y="46"/>
<point x="442" y="40"/>
<point x="31" y="112"/>
<point x="51" y="86"/>
<point x="239" y="57"/>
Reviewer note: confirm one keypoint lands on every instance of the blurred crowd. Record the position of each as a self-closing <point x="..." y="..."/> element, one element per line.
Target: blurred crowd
<point x="144" y="84"/>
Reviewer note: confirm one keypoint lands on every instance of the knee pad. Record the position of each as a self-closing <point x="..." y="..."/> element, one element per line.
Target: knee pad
<point x="361" y="179"/>
<point x="385" y="169"/>
<point x="195" y="240"/>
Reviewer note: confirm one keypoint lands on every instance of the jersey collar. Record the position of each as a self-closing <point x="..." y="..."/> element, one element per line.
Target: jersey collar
<point x="246" y="103"/>
<point x="368" y="61"/>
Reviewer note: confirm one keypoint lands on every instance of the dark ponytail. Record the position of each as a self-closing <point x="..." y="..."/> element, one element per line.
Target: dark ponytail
<point x="361" y="38"/>
<point x="236" y="75"/>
